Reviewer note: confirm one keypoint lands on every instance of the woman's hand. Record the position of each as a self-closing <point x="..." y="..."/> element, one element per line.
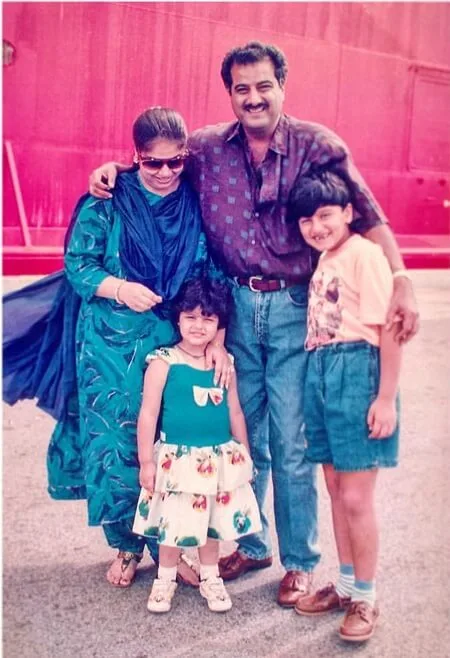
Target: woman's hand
<point x="137" y="297"/>
<point x="147" y="476"/>
<point x="382" y="418"/>
<point x="403" y="314"/>
<point x="217" y="356"/>
<point x="102" y="180"/>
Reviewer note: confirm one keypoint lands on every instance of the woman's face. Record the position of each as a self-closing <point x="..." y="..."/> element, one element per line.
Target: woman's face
<point x="160" y="165"/>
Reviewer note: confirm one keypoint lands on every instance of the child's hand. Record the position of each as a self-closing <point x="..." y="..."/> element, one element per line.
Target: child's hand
<point x="382" y="418"/>
<point x="147" y="475"/>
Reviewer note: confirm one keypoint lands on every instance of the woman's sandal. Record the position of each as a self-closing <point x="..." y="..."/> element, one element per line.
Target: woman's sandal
<point x="127" y="559"/>
<point x="187" y="572"/>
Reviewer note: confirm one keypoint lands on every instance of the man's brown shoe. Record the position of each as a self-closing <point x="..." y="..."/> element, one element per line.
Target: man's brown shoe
<point x="294" y="585"/>
<point x="235" y="565"/>
<point x="359" y="622"/>
<point x="323" y="601"/>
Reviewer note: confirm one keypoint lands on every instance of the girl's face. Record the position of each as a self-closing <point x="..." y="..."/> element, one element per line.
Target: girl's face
<point x="328" y="228"/>
<point x="161" y="164"/>
<point x="197" y="329"/>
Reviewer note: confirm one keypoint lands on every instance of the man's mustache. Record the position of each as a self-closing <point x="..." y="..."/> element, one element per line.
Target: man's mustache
<point x="250" y="106"/>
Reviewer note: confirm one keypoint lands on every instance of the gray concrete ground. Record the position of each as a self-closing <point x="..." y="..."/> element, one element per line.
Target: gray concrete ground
<point x="57" y="603"/>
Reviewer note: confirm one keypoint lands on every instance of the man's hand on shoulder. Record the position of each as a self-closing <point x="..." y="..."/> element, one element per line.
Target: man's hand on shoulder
<point x="103" y="179"/>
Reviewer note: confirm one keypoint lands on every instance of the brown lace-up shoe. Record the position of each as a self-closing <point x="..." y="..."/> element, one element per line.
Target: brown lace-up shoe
<point x="294" y="585"/>
<point x="359" y="622"/>
<point x="235" y="565"/>
<point x="323" y="601"/>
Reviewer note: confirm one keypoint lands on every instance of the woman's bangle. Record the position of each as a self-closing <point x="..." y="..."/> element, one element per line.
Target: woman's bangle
<point x="401" y="273"/>
<point x="116" y="294"/>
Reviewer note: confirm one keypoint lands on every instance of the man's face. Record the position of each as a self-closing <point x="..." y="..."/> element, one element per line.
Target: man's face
<point x="256" y="96"/>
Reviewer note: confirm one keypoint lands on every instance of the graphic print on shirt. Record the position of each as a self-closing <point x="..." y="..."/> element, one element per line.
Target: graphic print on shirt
<point x="324" y="309"/>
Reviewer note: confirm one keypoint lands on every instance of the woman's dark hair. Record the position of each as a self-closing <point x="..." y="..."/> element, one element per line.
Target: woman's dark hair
<point x="213" y="297"/>
<point x="158" y="123"/>
<point x="253" y="52"/>
<point x="314" y="191"/>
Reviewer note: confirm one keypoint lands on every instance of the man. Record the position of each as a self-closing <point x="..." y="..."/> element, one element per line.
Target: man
<point x="243" y="172"/>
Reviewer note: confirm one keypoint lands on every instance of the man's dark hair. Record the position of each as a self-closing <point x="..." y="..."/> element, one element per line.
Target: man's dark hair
<point x="213" y="297"/>
<point x="314" y="191"/>
<point x="158" y="123"/>
<point x="253" y="52"/>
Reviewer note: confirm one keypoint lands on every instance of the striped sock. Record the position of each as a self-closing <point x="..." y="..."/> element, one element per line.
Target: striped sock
<point x="364" y="590"/>
<point x="344" y="586"/>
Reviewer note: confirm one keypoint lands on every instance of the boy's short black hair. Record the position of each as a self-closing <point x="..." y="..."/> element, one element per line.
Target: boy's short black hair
<point x="314" y="191"/>
<point x="213" y="297"/>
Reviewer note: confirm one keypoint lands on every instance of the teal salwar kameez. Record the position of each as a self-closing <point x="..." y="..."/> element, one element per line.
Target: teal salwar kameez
<point x="93" y="451"/>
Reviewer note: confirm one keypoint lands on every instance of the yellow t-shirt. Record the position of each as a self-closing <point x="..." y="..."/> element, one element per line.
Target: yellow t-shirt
<point x="349" y="294"/>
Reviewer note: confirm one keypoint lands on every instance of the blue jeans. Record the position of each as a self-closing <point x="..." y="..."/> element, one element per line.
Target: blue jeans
<point x="342" y="381"/>
<point x="266" y="334"/>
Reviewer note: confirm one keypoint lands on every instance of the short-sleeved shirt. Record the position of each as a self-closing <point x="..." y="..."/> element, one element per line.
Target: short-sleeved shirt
<point x="244" y="208"/>
<point x="349" y="294"/>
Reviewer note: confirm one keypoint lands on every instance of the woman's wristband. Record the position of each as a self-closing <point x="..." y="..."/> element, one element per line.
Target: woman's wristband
<point x="116" y="293"/>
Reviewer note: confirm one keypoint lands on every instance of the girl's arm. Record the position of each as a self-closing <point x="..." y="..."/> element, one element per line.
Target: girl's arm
<point x="237" y="419"/>
<point x="382" y="416"/>
<point x="154" y="382"/>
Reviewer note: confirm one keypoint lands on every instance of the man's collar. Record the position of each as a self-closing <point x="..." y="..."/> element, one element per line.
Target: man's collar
<point x="234" y="131"/>
<point x="279" y="139"/>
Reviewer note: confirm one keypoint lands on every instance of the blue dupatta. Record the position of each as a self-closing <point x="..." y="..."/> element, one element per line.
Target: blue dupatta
<point x="158" y="243"/>
<point x="157" y="248"/>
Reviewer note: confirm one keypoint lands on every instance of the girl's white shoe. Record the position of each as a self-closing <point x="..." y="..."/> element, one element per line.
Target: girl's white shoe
<point x="213" y="590"/>
<point x="160" y="599"/>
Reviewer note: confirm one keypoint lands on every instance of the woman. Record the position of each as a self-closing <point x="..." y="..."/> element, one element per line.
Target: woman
<point x="126" y="258"/>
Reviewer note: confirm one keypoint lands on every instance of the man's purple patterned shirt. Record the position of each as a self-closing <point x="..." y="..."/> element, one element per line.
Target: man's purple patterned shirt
<point x="244" y="209"/>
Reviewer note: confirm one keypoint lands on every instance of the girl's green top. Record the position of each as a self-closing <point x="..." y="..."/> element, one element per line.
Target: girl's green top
<point x="194" y="411"/>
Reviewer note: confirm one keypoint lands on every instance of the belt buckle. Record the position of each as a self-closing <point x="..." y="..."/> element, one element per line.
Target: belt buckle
<point x="254" y="278"/>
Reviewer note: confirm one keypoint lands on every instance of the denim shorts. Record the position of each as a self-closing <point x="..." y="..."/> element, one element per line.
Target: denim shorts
<point x="342" y="381"/>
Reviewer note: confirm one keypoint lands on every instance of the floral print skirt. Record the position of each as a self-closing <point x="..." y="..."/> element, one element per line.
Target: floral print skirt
<point x="199" y="493"/>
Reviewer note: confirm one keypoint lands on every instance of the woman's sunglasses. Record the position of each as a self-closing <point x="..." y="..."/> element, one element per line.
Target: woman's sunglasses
<point x="155" y="164"/>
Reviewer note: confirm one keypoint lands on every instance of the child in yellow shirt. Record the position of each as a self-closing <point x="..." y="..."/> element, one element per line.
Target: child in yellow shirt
<point x="351" y="420"/>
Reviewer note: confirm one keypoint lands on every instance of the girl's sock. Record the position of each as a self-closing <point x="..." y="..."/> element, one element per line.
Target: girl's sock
<point x="344" y="586"/>
<point x="364" y="590"/>
<point x="167" y="573"/>
<point x="209" y="571"/>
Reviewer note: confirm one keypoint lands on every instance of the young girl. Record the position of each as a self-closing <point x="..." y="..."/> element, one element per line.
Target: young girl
<point x="351" y="419"/>
<point x="195" y="482"/>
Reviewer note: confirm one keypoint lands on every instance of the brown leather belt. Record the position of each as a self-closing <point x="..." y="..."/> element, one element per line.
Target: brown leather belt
<point x="260" y="284"/>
